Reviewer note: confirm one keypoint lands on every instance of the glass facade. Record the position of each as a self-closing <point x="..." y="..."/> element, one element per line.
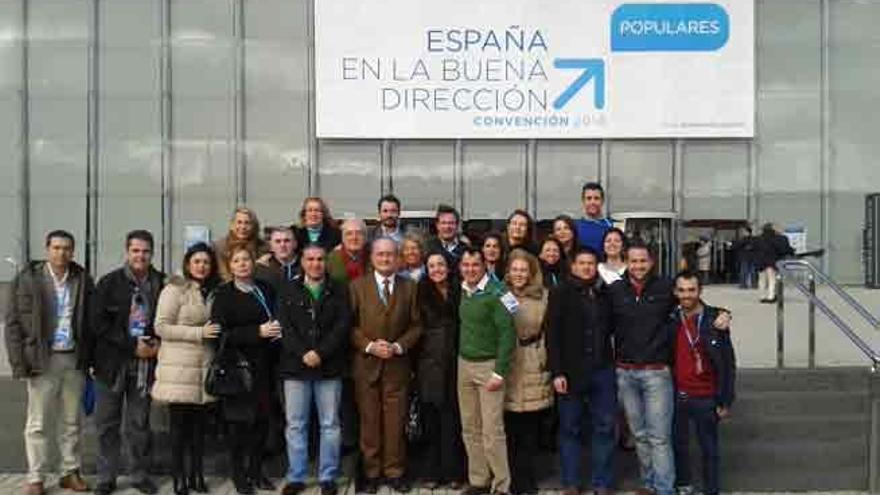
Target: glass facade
<point x="161" y="114"/>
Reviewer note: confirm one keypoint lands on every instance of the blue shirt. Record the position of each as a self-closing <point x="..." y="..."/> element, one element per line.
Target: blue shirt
<point x="591" y="233"/>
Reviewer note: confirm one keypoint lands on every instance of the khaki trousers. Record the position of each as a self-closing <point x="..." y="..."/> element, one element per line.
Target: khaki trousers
<point x="767" y="283"/>
<point x="482" y="426"/>
<point x="54" y="406"/>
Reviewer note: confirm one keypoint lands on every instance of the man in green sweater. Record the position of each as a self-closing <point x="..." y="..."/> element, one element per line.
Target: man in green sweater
<point x="486" y="343"/>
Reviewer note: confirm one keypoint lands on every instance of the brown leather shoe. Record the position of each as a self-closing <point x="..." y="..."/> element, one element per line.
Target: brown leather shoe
<point x="74" y="482"/>
<point x="644" y="491"/>
<point x="34" y="488"/>
<point x="571" y="491"/>
<point x="603" y="491"/>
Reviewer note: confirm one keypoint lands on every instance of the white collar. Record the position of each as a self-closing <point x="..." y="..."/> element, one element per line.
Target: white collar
<point x="56" y="280"/>
<point x="380" y="279"/>
<point x="481" y="285"/>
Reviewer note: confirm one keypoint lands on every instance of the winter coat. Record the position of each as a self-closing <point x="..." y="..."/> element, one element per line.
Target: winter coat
<point x="113" y="346"/>
<point x="438" y="349"/>
<point x="30" y="318"/>
<point x="527" y="385"/>
<point x="578" y="340"/>
<point x="323" y="326"/>
<point x="185" y="356"/>
<point x="770" y="248"/>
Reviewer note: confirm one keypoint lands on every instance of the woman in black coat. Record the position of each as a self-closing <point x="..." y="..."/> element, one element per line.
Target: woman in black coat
<point x="244" y="308"/>
<point x="438" y="296"/>
<point x="769" y="248"/>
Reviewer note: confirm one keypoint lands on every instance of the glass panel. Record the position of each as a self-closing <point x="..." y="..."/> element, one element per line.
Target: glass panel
<point x="716" y="176"/>
<point x="277" y="108"/>
<point x="854" y="171"/>
<point x="58" y="59"/>
<point x="495" y="178"/>
<point x="422" y="173"/>
<point x="563" y="167"/>
<point x="789" y="120"/>
<point x="129" y="166"/>
<point x="641" y="176"/>
<point x="349" y="177"/>
<point x="11" y="241"/>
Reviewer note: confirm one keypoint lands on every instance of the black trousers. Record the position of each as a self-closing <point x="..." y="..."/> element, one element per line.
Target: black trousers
<point x="187" y="436"/>
<point x="443" y="445"/>
<point x="247" y="441"/>
<point x="523" y="431"/>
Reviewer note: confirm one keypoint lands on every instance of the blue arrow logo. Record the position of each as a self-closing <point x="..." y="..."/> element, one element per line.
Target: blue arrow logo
<point x="593" y="69"/>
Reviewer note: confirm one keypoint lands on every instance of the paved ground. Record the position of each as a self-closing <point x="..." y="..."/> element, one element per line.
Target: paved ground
<point x="12" y="483"/>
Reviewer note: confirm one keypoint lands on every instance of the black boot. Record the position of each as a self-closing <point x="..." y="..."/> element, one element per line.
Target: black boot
<point x="196" y="476"/>
<point x="180" y="487"/>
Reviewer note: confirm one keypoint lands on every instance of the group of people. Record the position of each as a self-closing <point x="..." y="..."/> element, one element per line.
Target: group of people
<point x="492" y="336"/>
<point x="758" y="255"/>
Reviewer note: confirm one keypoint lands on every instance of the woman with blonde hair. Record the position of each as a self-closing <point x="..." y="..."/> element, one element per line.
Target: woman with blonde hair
<point x="244" y="231"/>
<point x="316" y="225"/>
<point x="528" y="391"/>
<point x="412" y="260"/>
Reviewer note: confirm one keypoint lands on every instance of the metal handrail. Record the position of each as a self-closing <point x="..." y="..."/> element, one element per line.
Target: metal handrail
<point x="809" y="291"/>
<point x="824" y="278"/>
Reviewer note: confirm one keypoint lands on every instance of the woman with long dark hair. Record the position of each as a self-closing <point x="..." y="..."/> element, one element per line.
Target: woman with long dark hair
<point x="438" y="295"/>
<point x="565" y="231"/>
<point x="614" y="263"/>
<point x="520" y="232"/>
<point x="245" y="310"/>
<point x="183" y="322"/>
<point x="554" y="263"/>
<point x="493" y="255"/>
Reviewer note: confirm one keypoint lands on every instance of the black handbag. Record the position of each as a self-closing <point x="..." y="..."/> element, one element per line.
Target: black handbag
<point x="414" y="427"/>
<point x="229" y="374"/>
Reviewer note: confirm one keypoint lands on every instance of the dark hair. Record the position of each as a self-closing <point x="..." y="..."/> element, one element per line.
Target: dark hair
<point x="389" y="198"/>
<point x="584" y="250"/>
<point x="473" y="251"/>
<point x="593" y="186"/>
<point x="444" y="209"/>
<point x="213" y="277"/>
<point x="530" y="227"/>
<point x="140" y="235"/>
<point x="60" y="234"/>
<point x="689" y="275"/>
<point x="571" y="226"/>
<point x="767" y="229"/>
<point x="313" y="245"/>
<point x="638" y="243"/>
<point x="562" y="256"/>
<point x="501" y="245"/>
<point x="623" y="239"/>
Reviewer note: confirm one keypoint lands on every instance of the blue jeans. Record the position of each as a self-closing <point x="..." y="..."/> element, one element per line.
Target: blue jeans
<point x="648" y="402"/>
<point x="747" y="275"/>
<point x="700" y="411"/>
<point x="298" y="398"/>
<point x="603" y="407"/>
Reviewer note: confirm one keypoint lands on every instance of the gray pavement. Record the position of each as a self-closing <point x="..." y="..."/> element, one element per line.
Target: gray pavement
<point x="12" y="483"/>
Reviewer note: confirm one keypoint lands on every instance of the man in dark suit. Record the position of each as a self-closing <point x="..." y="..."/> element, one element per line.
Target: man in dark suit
<point x="386" y="328"/>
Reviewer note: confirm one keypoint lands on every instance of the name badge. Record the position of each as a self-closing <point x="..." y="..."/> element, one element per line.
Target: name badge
<point x="510" y="303"/>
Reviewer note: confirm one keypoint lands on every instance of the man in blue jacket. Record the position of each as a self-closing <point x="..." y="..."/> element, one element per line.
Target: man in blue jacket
<point x="704" y="370"/>
<point x="592" y="227"/>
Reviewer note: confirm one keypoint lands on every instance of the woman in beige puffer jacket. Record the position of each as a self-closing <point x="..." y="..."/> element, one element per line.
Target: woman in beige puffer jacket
<point x="528" y="392"/>
<point x="182" y="316"/>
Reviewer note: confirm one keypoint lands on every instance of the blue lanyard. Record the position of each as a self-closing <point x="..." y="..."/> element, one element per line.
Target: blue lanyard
<point x="692" y="341"/>
<point x="258" y="294"/>
<point x="62" y="301"/>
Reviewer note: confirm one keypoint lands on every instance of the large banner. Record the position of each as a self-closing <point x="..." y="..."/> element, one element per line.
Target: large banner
<point x="534" y="69"/>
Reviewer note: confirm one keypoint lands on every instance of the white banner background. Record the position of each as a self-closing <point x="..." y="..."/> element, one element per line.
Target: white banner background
<point x="648" y="94"/>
